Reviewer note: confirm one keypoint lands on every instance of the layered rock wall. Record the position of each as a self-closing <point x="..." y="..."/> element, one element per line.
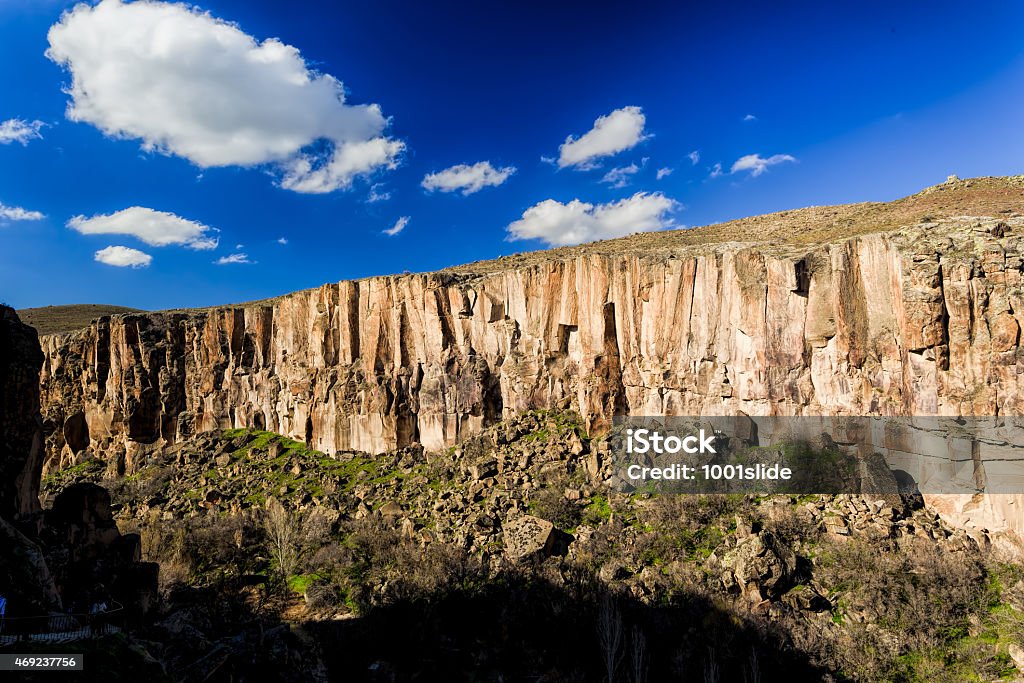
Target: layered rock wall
<point x="924" y="321"/>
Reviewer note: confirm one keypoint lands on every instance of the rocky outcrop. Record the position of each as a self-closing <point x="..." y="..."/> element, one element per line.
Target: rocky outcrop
<point x="21" y="428"/>
<point x="531" y="537"/>
<point x="73" y="554"/>
<point x="759" y="565"/>
<point x="24" y="576"/>
<point x="923" y="318"/>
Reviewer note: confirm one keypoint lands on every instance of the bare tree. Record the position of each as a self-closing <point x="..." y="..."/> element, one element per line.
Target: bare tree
<point x="609" y="632"/>
<point x="283" y="530"/>
<point x="711" y="674"/>
<point x="639" y="655"/>
<point x="316" y="530"/>
<point x="752" y="674"/>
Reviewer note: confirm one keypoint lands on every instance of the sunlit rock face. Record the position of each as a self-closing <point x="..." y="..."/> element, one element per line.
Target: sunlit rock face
<point x="920" y="320"/>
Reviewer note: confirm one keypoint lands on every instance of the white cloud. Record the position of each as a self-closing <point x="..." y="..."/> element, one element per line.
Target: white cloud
<point x="282" y="240"/>
<point x="123" y="257"/>
<point x="468" y="178"/>
<point x="694" y="157"/>
<point x="233" y="258"/>
<point x="188" y="84"/>
<point x="620" y="177"/>
<point x="309" y="175"/>
<point x="757" y="164"/>
<point x="663" y="173"/>
<point x="155" y="228"/>
<point x="19" y="130"/>
<point x="16" y="213"/>
<point x="750" y="117"/>
<point x="716" y="170"/>
<point x="377" y="195"/>
<point x="398" y="227"/>
<point x="560" y="224"/>
<point x="613" y="133"/>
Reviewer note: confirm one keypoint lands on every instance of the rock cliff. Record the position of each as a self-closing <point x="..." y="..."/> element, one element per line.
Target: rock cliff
<point x="73" y="553"/>
<point x="909" y="308"/>
<point x="21" y="428"/>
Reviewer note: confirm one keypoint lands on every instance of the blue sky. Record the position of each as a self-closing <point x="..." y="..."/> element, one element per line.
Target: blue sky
<point x="813" y="103"/>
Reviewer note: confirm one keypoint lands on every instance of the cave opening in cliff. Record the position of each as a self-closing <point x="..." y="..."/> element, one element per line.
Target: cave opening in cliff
<point x="568" y="338"/>
<point x="802" y="271"/>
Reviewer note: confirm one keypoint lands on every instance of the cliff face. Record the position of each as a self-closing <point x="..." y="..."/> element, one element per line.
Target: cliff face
<point x="921" y="319"/>
<point x="21" y="429"/>
<point x="74" y="551"/>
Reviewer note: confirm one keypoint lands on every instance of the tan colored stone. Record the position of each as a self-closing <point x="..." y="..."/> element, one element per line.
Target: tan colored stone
<point x="924" y="320"/>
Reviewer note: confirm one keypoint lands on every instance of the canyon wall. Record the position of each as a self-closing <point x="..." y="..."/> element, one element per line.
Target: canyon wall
<point x="72" y="553"/>
<point x="21" y="429"/>
<point x="925" y="320"/>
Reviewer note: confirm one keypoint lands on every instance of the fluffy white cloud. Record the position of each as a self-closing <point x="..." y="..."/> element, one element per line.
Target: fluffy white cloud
<point x="468" y="178"/>
<point x="398" y="227"/>
<point x="186" y="83"/>
<point x="155" y="228"/>
<point x="750" y="117"/>
<point x="123" y="257"/>
<point x="310" y="175"/>
<point x="282" y="241"/>
<point x="694" y="157"/>
<point x="716" y="170"/>
<point x="561" y="224"/>
<point x="18" y="130"/>
<point x="240" y="257"/>
<point x="613" y="133"/>
<point x="757" y="164"/>
<point x="663" y="173"/>
<point x="620" y="177"/>
<point x="16" y="213"/>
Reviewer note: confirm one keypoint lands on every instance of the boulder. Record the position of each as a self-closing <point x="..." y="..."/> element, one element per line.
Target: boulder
<point x="529" y="537"/>
<point x="483" y="470"/>
<point x="760" y="565"/>
<point x="1016" y="653"/>
<point x="391" y="509"/>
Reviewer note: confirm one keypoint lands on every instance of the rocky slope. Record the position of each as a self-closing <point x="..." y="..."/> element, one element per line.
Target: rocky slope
<point x="913" y="307"/>
<point x="468" y="564"/>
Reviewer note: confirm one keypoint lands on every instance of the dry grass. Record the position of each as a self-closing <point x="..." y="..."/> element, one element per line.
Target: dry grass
<point x="60" y="319"/>
<point x="993" y="196"/>
<point x="974" y="197"/>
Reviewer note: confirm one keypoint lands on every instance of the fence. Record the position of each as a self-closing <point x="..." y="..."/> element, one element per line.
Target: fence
<point x="59" y="627"/>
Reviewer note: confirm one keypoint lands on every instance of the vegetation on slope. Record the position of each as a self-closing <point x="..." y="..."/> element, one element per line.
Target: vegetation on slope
<point x="401" y="564"/>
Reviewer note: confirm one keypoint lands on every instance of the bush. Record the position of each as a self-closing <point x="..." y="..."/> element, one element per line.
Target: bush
<point x="552" y="505"/>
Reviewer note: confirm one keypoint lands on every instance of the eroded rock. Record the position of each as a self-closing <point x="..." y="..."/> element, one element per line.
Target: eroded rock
<point x="921" y="318"/>
<point x="530" y="537"/>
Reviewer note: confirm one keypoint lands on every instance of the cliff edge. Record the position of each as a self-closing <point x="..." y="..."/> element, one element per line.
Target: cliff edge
<point x="912" y="307"/>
